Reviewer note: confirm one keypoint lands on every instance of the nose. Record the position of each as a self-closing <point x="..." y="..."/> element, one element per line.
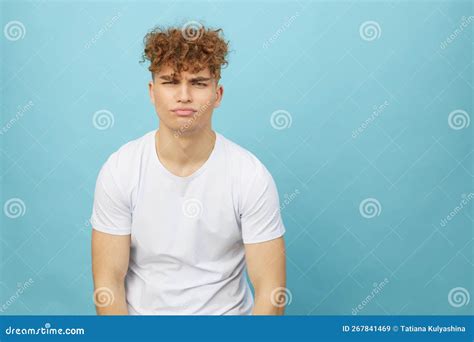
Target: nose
<point x="184" y="94"/>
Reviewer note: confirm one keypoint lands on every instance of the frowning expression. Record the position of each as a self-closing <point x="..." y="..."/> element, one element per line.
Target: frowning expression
<point x="184" y="102"/>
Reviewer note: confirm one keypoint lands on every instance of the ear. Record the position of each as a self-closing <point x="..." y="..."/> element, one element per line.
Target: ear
<point x="151" y="92"/>
<point x="218" y="95"/>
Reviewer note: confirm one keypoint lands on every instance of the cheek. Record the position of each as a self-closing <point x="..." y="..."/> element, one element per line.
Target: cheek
<point x="207" y="101"/>
<point x="161" y="98"/>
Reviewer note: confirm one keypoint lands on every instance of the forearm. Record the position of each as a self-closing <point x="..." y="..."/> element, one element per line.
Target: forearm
<point x="109" y="296"/>
<point x="267" y="272"/>
<point x="265" y="304"/>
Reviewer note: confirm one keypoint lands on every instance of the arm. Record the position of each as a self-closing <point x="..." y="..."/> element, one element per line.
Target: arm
<point x="110" y="256"/>
<point x="266" y="269"/>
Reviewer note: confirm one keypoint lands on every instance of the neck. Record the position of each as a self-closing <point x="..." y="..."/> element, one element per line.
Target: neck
<point x="186" y="149"/>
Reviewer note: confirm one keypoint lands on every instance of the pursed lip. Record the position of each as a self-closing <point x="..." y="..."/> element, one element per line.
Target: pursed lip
<point x="183" y="111"/>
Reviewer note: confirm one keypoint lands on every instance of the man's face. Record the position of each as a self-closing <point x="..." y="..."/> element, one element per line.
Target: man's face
<point x="185" y="102"/>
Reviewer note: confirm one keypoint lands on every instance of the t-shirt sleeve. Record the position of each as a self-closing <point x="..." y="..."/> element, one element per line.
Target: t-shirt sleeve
<point x="260" y="208"/>
<point x="111" y="210"/>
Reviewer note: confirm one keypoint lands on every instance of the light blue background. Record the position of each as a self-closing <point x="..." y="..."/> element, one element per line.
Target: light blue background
<point x="318" y="68"/>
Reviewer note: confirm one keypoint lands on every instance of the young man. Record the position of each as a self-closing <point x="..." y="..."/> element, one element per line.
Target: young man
<point x="182" y="212"/>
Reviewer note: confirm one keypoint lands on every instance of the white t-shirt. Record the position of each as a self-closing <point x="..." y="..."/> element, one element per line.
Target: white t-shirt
<point x="187" y="252"/>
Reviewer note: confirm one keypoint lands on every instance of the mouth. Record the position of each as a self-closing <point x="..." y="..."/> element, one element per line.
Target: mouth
<point x="184" y="112"/>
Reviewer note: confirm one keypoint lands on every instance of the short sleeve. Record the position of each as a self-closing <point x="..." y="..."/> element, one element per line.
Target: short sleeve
<point x="111" y="211"/>
<point x="260" y="208"/>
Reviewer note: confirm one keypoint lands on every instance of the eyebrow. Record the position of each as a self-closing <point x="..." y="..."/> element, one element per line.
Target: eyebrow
<point x="194" y="79"/>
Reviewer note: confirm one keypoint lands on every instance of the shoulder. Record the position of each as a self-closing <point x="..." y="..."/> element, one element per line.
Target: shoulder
<point x="129" y="152"/>
<point x="239" y="156"/>
<point x="246" y="164"/>
<point x="124" y="163"/>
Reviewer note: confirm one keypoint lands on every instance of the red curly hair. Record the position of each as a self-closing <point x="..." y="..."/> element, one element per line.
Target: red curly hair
<point x="191" y="47"/>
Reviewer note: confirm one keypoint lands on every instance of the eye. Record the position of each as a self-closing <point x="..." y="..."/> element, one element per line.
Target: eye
<point x="170" y="82"/>
<point x="200" y="84"/>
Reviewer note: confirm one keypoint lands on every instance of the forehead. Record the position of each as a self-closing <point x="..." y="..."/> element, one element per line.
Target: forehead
<point x="167" y="70"/>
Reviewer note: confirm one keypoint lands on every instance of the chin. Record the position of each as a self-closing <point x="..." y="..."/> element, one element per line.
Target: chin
<point x="184" y="129"/>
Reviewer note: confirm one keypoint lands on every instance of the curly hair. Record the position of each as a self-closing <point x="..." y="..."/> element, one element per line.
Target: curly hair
<point x="187" y="48"/>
